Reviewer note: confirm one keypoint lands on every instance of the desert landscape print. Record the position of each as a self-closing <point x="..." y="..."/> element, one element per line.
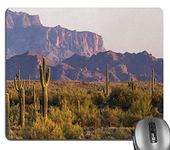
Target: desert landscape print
<point x="82" y="73"/>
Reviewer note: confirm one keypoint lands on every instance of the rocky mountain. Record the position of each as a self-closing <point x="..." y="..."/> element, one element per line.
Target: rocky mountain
<point x="25" y="32"/>
<point x="21" y="20"/>
<point x="121" y="66"/>
<point x="28" y="63"/>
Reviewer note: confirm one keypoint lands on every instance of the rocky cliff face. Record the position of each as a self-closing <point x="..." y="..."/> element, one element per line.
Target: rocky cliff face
<point x="121" y="67"/>
<point x="20" y="20"/>
<point x="25" y="32"/>
<point x="72" y="55"/>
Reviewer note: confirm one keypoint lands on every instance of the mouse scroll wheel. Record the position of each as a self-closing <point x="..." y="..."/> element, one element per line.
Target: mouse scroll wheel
<point x="152" y="132"/>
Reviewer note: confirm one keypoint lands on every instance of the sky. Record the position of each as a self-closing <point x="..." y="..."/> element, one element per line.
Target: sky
<point x="122" y="29"/>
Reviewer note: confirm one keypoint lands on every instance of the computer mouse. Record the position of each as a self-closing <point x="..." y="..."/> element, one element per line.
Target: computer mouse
<point x="151" y="134"/>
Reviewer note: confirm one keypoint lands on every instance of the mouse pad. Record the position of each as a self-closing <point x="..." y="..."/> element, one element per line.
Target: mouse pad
<point x="82" y="73"/>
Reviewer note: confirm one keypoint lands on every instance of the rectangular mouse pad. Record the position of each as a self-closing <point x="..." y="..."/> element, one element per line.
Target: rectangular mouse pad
<point x="82" y="73"/>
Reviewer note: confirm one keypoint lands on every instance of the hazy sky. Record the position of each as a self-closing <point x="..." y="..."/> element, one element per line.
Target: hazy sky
<point x="122" y="29"/>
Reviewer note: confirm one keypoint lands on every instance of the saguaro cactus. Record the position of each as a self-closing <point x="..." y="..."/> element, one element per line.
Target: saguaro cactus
<point x="28" y="89"/>
<point x="78" y="106"/>
<point x="29" y="82"/>
<point x="131" y="84"/>
<point x="18" y="84"/>
<point x="35" y="103"/>
<point x="107" y="82"/>
<point x="22" y="108"/>
<point x="7" y="115"/>
<point x="152" y="88"/>
<point x="153" y="81"/>
<point x="44" y="79"/>
<point x="19" y="87"/>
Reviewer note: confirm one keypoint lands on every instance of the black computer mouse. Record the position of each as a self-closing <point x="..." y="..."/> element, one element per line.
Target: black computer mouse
<point x="151" y="134"/>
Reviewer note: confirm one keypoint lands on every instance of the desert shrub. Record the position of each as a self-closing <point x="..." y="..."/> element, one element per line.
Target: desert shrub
<point x="80" y="118"/>
<point x="71" y="95"/>
<point x="102" y="134"/>
<point x="64" y="118"/>
<point x="139" y="109"/>
<point x="82" y="111"/>
<point x="129" y="120"/>
<point x="29" y="95"/>
<point x="29" y="115"/>
<point x="109" y="118"/>
<point x="14" y="114"/>
<point x="115" y="133"/>
<point x="100" y="100"/>
<point x="88" y="116"/>
<point x="71" y="131"/>
<point x="61" y="117"/>
<point x="141" y="106"/>
<point x="45" y="129"/>
<point x="122" y="133"/>
<point x="157" y="100"/>
<point x="92" y="119"/>
<point x="155" y="112"/>
<point x="14" y="97"/>
<point x="121" y="97"/>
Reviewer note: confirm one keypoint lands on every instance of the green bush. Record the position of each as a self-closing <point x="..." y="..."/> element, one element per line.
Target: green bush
<point x="102" y="134"/>
<point x="110" y="118"/>
<point x="72" y="131"/>
<point x="122" y="133"/>
<point x="100" y="100"/>
<point x="80" y="110"/>
<point x="45" y="130"/>
<point x="121" y="97"/>
<point x="157" y="100"/>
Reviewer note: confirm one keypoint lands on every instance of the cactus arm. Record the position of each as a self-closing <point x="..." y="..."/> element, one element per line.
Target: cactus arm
<point x="22" y="83"/>
<point x="16" y="86"/>
<point x="44" y="68"/>
<point x="107" y="80"/>
<point x="34" y="90"/>
<point x="19" y="75"/>
<point x="48" y="76"/>
<point x="41" y="77"/>
<point x="108" y="87"/>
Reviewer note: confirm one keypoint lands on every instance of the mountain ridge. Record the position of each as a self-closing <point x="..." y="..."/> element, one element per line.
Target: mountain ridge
<point x="25" y="32"/>
<point x="120" y="67"/>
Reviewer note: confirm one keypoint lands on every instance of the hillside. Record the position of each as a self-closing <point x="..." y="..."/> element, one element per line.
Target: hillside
<point x="121" y="66"/>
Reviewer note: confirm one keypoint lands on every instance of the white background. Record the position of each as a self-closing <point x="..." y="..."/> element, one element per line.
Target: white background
<point x="76" y="145"/>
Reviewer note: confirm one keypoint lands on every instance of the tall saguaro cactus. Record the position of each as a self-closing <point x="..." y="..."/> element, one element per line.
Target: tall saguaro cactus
<point x="19" y="87"/>
<point x="35" y="103"/>
<point x="152" y="88"/>
<point x="22" y="108"/>
<point x="29" y="83"/>
<point x="131" y="84"/>
<point x="7" y="115"/>
<point x="153" y="81"/>
<point x="44" y="79"/>
<point x="78" y="106"/>
<point x="107" y="82"/>
<point x="18" y="83"/>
